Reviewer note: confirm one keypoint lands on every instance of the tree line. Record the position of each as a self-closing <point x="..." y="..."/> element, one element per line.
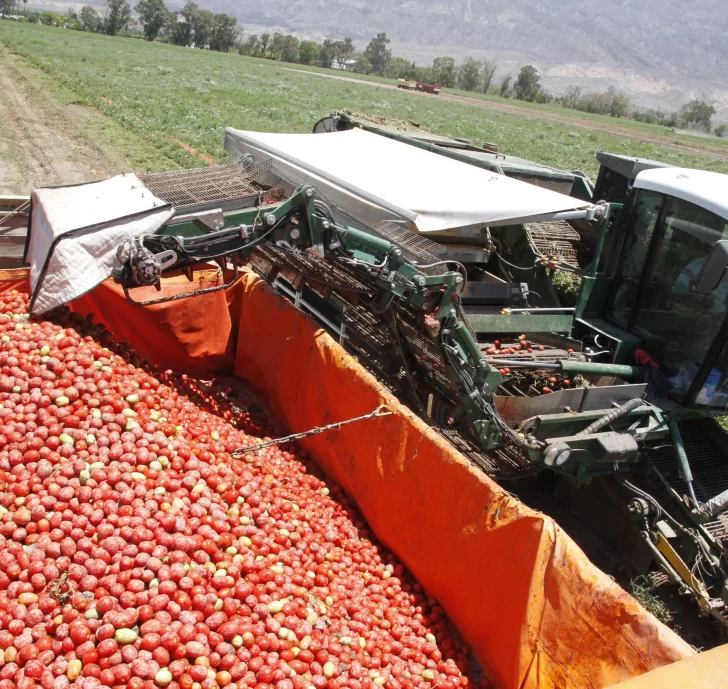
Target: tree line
<point x="475" y="75"/>
<point x="198" y="28"/>
<point x="191" y="26"/>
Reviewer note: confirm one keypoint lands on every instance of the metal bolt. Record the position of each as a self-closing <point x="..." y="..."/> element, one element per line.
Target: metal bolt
<point x="458" y="279"/>
<point x="563" y="457"/>
<point x="420" y="281"/>
<point x="309" y="192"/>
<point x="397" y="252"/>
<point x="325" y="224"/>
<point x="270" y="219"/>
<point x="295" y="233"/>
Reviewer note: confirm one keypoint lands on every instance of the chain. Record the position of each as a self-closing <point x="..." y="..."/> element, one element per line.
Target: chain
<point x="381" y="410"/>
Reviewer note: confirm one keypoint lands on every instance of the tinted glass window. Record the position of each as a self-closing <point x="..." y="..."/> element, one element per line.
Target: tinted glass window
<point x="714" y="391"/>
<point x="634" y="254"/>
<point x="678" y="323"/>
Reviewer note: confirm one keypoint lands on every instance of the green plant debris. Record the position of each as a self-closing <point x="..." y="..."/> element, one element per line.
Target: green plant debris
<point x="641" y="588"/>
<point x="566" y="283"/>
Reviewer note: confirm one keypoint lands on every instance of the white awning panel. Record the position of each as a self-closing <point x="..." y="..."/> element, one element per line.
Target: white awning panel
<point x="433" y="192"/>
<point x="75" y="232"/>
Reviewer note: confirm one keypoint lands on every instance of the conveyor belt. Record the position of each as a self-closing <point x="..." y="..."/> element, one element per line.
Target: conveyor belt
<point x="502" y="464"/>
<point x="558" y="238"/>
<point x="415" y="247"/>
<point x="312" y="267"/>
<point x="708" y="464"/>
<point x="235" y="182"/>
<point x="371" y="332"/>
<point x="13" y="232"/>
<point x="371" y="339"/>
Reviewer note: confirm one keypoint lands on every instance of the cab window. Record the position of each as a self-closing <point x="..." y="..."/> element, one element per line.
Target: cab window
<point x="714" y="390"/>
<point x="646" y="213"/>
<point x="677" y="323"/>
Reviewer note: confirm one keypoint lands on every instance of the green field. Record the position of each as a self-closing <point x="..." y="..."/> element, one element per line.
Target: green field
<point x="166" y="95"/>
<point x="698" y="140"/>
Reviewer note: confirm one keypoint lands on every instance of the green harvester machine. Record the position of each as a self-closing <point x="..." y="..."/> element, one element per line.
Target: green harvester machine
<point x="438" y="262"/>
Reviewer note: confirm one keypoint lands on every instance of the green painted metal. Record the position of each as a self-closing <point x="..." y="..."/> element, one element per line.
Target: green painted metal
<point x="583" y="464"/>
<point x="367" y="239"/>
<point x="573" y="366"/>
<point x="568" y="423"/>
<point x="593" y="294"/>
<point x="520" y="323"/>
<point x="624" y="342"/>
<point x="582" y="188"/>
<point x="682" y="457"/>
<point x="611" y="218"/>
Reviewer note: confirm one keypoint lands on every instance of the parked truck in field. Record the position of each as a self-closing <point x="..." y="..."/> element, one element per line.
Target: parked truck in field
<point x="413" y="85"/>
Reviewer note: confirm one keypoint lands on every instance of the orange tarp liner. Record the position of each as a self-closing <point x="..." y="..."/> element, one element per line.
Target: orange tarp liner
<point x="535" y="611"/>
<point x="194" y="335"/>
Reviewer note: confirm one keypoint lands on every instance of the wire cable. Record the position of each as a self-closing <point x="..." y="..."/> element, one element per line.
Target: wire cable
<point x="513" y="265"/>
<point x="461" y="269"/>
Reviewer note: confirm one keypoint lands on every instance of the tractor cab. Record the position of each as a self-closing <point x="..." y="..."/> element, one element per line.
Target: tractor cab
<point x="667" y="279"/>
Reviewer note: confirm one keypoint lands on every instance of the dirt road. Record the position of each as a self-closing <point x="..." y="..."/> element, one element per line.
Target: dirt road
<point x="699" y="147"/>
<point x="44" y="142"/>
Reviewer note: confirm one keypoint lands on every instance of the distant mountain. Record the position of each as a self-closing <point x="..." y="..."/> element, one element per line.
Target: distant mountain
<point x="672" y="36"/>
<point x="662" y="52"/>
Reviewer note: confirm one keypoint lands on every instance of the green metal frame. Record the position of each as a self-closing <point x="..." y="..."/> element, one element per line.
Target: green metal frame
<point x="645" y="423"/>
<point x="392" y="277"/>
<point x="517" y="323"/>
<point x="435" y="294"/>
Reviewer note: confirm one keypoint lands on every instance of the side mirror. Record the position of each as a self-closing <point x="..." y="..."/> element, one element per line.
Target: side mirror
<point x="713" y="268"/>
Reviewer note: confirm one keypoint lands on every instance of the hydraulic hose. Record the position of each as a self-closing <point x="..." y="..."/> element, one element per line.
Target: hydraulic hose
<point x="682" y="458"/>
<point x="574" y="366"/>
<point x="607" y="419"/>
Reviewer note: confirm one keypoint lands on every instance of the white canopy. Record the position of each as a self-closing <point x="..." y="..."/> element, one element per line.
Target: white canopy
<point x="433" y="192"/>
<point x="708" y="190"/>
<point x="76" y="230"/>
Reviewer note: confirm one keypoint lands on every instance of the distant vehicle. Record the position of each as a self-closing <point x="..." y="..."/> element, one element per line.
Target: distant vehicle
<point x="412" y="85"/>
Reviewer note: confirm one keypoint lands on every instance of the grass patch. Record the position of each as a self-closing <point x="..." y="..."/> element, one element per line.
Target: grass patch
<point x="165" y="94"/>
<point x="63" y="104"/>
<point x="719" y="144"/>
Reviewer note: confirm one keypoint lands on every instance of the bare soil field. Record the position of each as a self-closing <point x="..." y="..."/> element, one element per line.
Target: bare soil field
<point x="44" y="141"/>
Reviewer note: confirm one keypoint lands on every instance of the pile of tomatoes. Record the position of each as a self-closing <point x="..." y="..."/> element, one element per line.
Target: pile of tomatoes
<point x="136" y="552"/>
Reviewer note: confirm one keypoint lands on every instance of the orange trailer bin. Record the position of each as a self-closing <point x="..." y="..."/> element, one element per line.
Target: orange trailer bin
<point x="535" y="611"/>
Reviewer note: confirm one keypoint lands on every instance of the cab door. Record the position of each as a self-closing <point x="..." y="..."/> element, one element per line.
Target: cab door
<point x="677" y="323"/>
